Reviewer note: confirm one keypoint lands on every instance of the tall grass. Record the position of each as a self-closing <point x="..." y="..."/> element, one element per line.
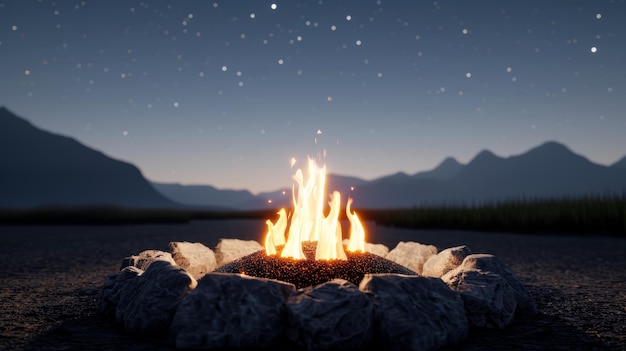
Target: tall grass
<point x="605" y="215"/>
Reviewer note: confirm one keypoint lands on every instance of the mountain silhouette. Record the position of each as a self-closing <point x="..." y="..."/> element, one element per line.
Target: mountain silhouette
<point x="40" y="168"/>
<point x="550" y="170"/>
<point x="621" y="163"/>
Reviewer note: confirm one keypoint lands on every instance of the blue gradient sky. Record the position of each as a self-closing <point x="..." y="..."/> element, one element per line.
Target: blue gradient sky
<point x="226" y="92"/>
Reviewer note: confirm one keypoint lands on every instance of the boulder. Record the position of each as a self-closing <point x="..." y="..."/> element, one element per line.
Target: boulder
<point x="147" y="302"/>
<point x="145" y="258"/>
<point x="228" y="250"/>
<point x="445" y="261"/>
<point x="195" y="258"/>
<point x="113" y="284"/>
<point x="411" y="255"/>
<point x="490" y="263"/>
<point x="489" y="300"/>
<point x="332" y="315"/>
<point x="415" y="313"/>
<point x="377" y="249"/>
<point x="231" y="311"/>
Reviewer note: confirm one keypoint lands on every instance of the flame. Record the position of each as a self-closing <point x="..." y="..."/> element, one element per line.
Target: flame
<point x="308" y="222"/>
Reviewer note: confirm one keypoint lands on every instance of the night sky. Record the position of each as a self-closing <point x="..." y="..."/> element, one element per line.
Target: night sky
<point x="227" y="92"/>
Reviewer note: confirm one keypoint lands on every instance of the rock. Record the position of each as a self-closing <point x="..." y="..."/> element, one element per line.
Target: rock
<point x="228" y="250"/>
<point x="333" y="315"/>
<point x="445" y="261"/>
<point x="489" y="300"/>
<point x="195" y="258"/>
<point x="377" y="249"/>
<point x="145" y="258"/>
<point x="415" y="313"/>
<point x="411" y="255"/>
<point x="147" y="303"/>
<point x="490" y="263"/>
<point x="231" y="311"/>
<point x="110" y="292"/>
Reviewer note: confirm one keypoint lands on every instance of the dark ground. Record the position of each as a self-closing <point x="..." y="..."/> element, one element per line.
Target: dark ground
<point x="51" y="276"/>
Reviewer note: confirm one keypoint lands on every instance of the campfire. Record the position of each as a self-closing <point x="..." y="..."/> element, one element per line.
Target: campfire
<point x="313" y="252"/>
<point x="304" y="289"/>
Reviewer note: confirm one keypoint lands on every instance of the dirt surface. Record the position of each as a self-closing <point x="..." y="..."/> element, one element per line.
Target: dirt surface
<point x="51" y="277"/>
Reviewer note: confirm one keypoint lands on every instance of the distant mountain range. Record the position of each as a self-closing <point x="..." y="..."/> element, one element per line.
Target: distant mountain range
<point x="39" y="168"/>
<point x="44" y="169"/>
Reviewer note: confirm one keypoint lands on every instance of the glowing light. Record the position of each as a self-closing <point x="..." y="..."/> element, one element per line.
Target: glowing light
<point x="308" y="222"/>
<point x="318" y="132"/>
<point x="380" y="74"/>
<point x="273" y="6"/>
<point x="14" y="28"/>
<point x="358" y="42"/>
<point x="333" y="28"/>
<point x="27" y="72"/>
<point x="598" y="15"/>
<point x="509" y="69"/>
<point x="465" y="31"/>
<point x="252" y="15"/>
<point x="280" y="61"/>
<point x="292" y="163"/>
<point x="125" y="133"/>
<point x="176" y="104"/>
<point x="329" y="98"/>
<point x="348" y="18"/>
<point x="468" y="75"/>
<point x="594" y="49"/>
<point x="299" y="38"/>
<point x="224" y="68"/>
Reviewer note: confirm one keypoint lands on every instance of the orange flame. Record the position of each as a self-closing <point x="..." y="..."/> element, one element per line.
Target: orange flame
<point x="308" y="222"/>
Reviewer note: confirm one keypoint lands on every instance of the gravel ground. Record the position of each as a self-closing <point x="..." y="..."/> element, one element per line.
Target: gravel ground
<point x="51" y="278"/>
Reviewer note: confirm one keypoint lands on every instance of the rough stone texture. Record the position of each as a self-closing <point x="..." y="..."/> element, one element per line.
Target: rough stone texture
<point x="147" y="302"/>
<point x="490" y="263"/>
<point x="411" y="255"/>
<point x="331" y="315"/>
<point x="195" y="258"/>
<point x="415" y="313"/>
<point x="377" y="249"/>
<point x="228" y="250"/>
<point x="231" y="311"/>
<point x="489" y="300"/>
<point x="311" y="272"/>
<point x="445" y="261"/>
<point x="145" y="258"/>
<point x="113" y="284"/>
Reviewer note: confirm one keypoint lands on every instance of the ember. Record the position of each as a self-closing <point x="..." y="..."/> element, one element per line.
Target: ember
<point x="310" y="272"/>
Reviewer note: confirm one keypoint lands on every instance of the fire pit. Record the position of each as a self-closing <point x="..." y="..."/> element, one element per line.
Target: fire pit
<point x="309" y="290"/>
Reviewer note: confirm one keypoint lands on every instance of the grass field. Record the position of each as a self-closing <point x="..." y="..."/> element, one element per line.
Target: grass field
<point x="606" y="215"/>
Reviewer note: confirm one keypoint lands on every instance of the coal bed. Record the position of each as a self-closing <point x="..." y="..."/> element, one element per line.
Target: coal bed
<point x="311" y="272"/>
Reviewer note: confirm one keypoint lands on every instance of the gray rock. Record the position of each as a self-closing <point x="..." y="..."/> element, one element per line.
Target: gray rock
<point x="147" y="303"/>
<point x="489" y="300"/>
<point x="113" y="285"/>
<point x="411" y="255"/>
<point x="415" y="313"/>
<point x="445" y="261"/>
<point x="490" y="263"/>
<point x="228" y="250"/>
<point x="333" y="315"/>
<point x="144" y="259"/>
<point x="195" y="258"/>
<point x="231" y="311"/>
